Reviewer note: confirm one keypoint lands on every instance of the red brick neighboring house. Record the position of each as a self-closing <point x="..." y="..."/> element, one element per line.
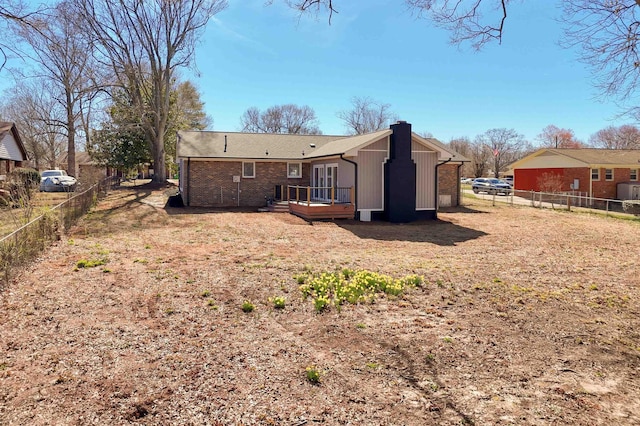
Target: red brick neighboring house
<point x="12" y="152"/>
<point x="596" y="172"/>
<point x="392" y="174"/>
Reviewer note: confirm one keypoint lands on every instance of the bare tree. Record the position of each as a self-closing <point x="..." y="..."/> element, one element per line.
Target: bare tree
<point x="14" y="13"/>
<point x="63" y="57"/>
<point x="144" y="43"/>
<point x="36" y="115"/>
<point x="464" y="147"/>
<point x="480" y="157"/>
<point x="288" y="118"/>
<point x="366" y="116"/>
<point x="504" y="147"/>
<point x="622" y="137"/>
<point x="606" y="31"/>
<point x="555" y="137"/>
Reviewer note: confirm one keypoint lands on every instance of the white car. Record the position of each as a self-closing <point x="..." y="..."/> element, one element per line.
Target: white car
<point x="57" y="181"/>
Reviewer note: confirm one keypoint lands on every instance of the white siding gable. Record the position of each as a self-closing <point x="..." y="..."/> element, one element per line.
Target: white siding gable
<point x="9" y="148"/>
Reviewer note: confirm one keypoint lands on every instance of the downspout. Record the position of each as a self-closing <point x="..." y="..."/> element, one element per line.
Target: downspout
<point x="438" y="165"/>
<point x="355" y="195"/>
<point x="188" y="181"/>
<point x="458" y="184"/>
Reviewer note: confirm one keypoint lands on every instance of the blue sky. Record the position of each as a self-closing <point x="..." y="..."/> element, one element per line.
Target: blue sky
<point x="252" y="55"/>
<point x="257" y="55"/>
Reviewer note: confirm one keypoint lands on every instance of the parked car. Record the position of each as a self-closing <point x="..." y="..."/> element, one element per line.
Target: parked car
<point x="57" y="181"/>
<point x="466" y="180"/>
<point x="490" y="186"/>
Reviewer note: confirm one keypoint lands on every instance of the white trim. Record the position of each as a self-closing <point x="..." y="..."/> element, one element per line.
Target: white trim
<point x="612" y="175"/>
<point x="254" y="170"/>
<point x="591" y="172"/>
<point x="631" y="178"/>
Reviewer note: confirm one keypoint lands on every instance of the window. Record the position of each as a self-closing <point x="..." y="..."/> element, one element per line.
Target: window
<point x="248" y="169"/>
<point x="608" y="174"/>
<point x="294" y="170"/>
<point x="595" y="174"/>
<point x="633" y="174"/>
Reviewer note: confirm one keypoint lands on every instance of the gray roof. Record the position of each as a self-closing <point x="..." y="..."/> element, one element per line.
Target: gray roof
<point x="601" y="156"/>
<point x="249" y="145"/>
<point x="203" y="144"/>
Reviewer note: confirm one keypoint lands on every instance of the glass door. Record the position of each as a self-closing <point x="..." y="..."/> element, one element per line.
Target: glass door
<point x="332" y="181"/>
<point x="318" y="183"/>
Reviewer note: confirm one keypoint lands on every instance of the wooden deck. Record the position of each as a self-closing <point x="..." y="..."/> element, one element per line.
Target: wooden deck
<point x="319" y="211"/>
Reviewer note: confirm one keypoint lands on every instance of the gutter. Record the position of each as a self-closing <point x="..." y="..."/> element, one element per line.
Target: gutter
<point x="355" y="195"/>
<point x="188" y="181"/>
<point x="459" y="185"/>
<point x="436" y="196"/>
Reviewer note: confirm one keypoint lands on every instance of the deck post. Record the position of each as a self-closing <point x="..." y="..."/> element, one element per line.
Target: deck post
<point x="352" y="195"/>
<point x="297" y="194"/>
<point x="308" y="196"/>
<point x="333" y="194"/>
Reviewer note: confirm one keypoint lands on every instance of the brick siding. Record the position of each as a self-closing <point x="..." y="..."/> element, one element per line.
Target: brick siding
<point x="210" y="183"/>
<point x="448" y="180"/>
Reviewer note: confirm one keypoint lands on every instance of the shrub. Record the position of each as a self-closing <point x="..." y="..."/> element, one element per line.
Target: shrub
<point x="278" y="302"/>
<point x="631" y="207"/>
<point x="313" y="374"/>
<point x="353" y="287"/>
<point x="247" y="306"/>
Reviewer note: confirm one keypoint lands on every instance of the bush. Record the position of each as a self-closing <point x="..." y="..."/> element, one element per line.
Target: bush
<point x="631" y="207"/>
<point x="21" y="183"/>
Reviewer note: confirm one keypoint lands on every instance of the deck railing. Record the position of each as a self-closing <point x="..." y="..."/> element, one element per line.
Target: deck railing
<point x="326" y="195"/>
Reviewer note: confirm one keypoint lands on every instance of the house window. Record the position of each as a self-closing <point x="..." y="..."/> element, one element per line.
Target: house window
<point x="294" y="170"/>
<point x="633" y="174"/>
<point x="595" y="174"/>
<point x="248" y="169"/>
<point x="608" y="174"/>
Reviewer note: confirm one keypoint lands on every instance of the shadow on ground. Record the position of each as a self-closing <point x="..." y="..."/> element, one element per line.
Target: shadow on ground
<point x="438" y="232"/>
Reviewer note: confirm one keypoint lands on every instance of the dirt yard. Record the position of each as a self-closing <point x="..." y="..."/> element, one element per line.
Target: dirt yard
<point x="527" y="317"/>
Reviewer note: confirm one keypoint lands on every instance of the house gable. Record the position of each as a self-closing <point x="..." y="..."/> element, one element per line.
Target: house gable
<point x="11" y="147"/>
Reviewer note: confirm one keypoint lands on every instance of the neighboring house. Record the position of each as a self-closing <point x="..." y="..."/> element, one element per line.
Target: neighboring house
<point x="600" y="173"/>
<point x="87" y="171"/>
<point x="12" y="152"/>
<point x="393" y="174"/>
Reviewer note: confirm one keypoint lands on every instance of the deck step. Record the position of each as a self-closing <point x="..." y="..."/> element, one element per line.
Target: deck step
<point x="279" y="207"/>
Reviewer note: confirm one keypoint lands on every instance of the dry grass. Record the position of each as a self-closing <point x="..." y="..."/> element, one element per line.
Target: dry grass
<point x="528" y="317"/>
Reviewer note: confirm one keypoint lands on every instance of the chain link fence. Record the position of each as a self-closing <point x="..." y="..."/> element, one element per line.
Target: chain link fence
<point x="28" y="241"/>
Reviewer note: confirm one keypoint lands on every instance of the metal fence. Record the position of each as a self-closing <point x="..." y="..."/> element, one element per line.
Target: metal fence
<point x="563" y="200"/>
<point x="28" y="241"/>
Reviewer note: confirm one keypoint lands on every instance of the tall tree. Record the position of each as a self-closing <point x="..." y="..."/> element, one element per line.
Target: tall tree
<point x="622" y="137"/>
<point x="555" y="137"/>
<point x="503" y="146"/>
<point x="366" y="116"/>
<point x="288" y="118"/>
<point x="122" y="141"/>
<point x="144" y="43"/>
<point x="63" y="57"/>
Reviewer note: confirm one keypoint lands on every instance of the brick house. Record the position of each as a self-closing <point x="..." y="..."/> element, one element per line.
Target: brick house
<point x="393" y="174"/>
<point x="12" y="152"/>
<point x="597" y="172"/>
